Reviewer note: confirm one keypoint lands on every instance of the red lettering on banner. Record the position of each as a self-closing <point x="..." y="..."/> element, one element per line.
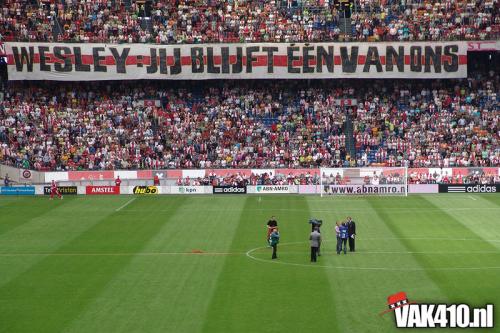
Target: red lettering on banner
<point x="483" y="46"/>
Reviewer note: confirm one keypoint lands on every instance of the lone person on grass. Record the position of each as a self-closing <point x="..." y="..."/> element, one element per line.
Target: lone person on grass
<point x="274" y="239"/>
<point x="315" y="239"/>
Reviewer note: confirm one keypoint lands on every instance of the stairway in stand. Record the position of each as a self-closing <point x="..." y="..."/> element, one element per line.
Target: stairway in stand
<point x="345" y="26"/>
<point x="350" y="142"/>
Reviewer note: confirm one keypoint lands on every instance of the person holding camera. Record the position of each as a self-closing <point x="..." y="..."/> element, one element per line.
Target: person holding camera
<point x="316" y="225"/>
<point x="315" y="239"/>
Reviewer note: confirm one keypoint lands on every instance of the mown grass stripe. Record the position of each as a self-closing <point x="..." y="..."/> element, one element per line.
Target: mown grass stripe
<point x="451" y="283"/>
<point x="19" y="211"/>
<point x="493" y="198"/>
<point x="373" y="276"/>
<point x="47" y="298"/>
<point x="43" y="233"/>
<point x="167" y="293"/>
<point x="253" y="296"/>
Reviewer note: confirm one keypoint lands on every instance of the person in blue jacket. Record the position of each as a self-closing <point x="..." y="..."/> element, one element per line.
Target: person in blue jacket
<point x="344" y="235"/>
<point x="274" y="239"/>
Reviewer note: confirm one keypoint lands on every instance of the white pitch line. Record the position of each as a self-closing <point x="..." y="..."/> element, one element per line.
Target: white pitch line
<point x="314" y="265"/>
<point x="357" y="253"/>
<point x="126" y="204"/>
<point x="111" y="254"/>
<point x="337" y="210"/>
<point x="470" y="196"/>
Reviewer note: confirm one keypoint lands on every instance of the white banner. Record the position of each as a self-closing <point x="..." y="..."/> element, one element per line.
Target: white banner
<point x="423" y="188"/>
<point x="189" y="189"/>
<point x="91" y="62"/>
<point x="363" y="189"/>
<point x="269" y="189"/>
<point x="57" y="176"/>
<point x="482" y="46"/>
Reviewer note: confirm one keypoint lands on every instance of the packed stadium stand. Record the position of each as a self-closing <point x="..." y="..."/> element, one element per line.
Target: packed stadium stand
<point x="203" y="21"/>
<point x="279" y="124"/>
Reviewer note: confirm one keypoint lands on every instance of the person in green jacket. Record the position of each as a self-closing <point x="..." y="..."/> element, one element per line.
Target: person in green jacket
<point x="274" y="239"/>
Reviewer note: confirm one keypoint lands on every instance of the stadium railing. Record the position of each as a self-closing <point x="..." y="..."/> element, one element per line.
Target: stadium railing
<point x="419" y="180"/>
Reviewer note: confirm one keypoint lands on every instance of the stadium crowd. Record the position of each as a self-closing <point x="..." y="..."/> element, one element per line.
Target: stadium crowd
<point x="276" y="124"/>
<point x="202" y="21"/>
<point x="242" y="179"/>
<point x="454" y="127"/>
<point x="432" y="176"/>
<point x="474" y="177"/>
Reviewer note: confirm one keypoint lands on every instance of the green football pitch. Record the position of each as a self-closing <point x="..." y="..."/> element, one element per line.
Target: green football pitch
<point x="200" y="263"/>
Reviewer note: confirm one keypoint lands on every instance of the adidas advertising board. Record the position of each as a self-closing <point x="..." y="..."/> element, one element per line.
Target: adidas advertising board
<point x="229" y="190"/>
<point x="470" y="188"/>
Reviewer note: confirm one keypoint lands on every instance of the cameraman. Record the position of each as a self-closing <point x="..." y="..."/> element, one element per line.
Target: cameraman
<point x="316" y="225"/>
<point x="315" y="238"/>
<point x="272" y="224"/>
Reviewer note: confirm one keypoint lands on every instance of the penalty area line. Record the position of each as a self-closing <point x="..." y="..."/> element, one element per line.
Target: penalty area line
<point x="125" y="205"/>
<point x="470" y="196"/>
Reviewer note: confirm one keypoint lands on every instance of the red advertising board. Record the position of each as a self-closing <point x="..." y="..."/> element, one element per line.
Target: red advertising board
<point x="102" y="190"/>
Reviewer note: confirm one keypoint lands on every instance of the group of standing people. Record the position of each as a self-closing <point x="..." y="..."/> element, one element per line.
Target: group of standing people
<point x="345" y="232"/>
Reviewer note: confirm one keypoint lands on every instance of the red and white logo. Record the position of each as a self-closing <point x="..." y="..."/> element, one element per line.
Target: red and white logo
<point x="26" y="174"/>
<point x="410" y="314"/>
<point x="94" y="190"/>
